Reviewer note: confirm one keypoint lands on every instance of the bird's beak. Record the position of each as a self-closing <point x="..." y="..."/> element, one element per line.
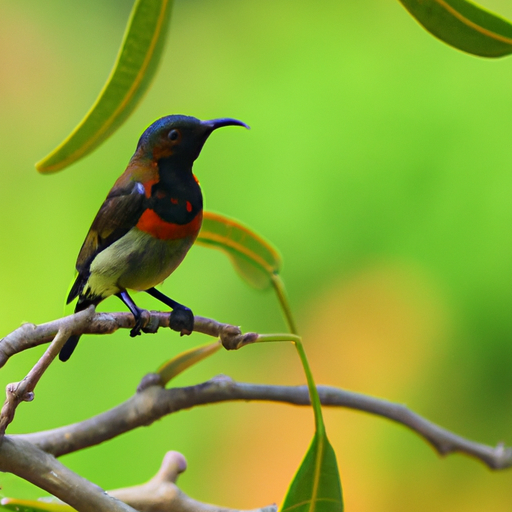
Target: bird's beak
<point x="219" y="123"/>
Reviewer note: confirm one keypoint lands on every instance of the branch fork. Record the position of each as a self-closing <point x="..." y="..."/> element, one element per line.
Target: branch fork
<point x="153" y="401"/>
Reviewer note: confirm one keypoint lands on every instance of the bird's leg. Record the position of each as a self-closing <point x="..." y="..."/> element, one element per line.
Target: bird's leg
<point x="135" y="311"/>
<point x="181" y="319"/>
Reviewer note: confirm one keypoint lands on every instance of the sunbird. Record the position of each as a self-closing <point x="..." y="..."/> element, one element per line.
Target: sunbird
<point x="148" y="222"/>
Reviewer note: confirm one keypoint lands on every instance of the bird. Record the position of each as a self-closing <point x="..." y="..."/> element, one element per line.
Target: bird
<point x="147" y="223"/>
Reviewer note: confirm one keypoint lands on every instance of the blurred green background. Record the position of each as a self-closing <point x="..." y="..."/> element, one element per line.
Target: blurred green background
<point x="379" y="163"/>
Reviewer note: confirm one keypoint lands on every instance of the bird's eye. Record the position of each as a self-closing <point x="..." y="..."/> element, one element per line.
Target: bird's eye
<point x="174" y="134"/>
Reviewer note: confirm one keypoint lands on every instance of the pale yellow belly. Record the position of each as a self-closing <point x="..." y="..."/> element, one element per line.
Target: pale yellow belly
<point x="137" y="261"/>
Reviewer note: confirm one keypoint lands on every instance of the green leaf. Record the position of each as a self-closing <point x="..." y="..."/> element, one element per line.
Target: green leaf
<point x="133" y="71"/>
<point x="34" y="506"/>
<point x="185" y="360"/>
<point x="316" y="486"/>
<point x="464" y="25"/>
<point x="252" y="256"/>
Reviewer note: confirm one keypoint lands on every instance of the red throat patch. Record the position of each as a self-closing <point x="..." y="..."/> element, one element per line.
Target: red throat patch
<point x="150" y="222"/>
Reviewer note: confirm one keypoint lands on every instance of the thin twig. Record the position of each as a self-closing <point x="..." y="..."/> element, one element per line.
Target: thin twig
<point x="23" y="391"/>
<point x="154" y="402"/>
<point x="85" y="322"/>
<point x="31" y="335"/>
<point x="89" y="322"/>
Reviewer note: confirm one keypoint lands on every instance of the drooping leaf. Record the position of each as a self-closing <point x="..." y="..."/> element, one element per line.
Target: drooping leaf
<point x="464" y="25"/>
<point x="133" y="71"/>
<point x="185" y="360"/>
<point x="34" y="506"/>
<point x="316" y="486"/>
<point x="252" y="256"/>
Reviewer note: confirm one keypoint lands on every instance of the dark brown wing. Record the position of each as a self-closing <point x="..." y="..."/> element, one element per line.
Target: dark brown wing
<point x="118" y="214"/>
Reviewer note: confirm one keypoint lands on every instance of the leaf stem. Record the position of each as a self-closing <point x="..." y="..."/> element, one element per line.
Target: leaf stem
<point x="278" y="285"/>
<point x="293" y="338"/>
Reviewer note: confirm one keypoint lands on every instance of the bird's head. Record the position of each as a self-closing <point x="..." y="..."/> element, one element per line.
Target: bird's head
<point x="180" y="137"/>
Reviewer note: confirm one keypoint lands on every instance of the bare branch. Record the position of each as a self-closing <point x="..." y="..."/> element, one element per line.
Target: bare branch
<point x="34" y="465"/>
<point x="23" y="391"/>
<point x="161" y="494"/>
<point x="154" y="402"/>
<point x="85" y="322"/>
<point x="31" y="335"/>
<point x="89" y="322"/>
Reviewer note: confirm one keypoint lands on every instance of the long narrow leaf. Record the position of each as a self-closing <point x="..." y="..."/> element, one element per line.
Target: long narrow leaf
<point x="464" y="25"/>
<point x="34" y="506"/>
<point x="133" y="71"/>
<point x="185" y="360"/>
<point x="252" y="256"/>
<point x="316" y="486"/>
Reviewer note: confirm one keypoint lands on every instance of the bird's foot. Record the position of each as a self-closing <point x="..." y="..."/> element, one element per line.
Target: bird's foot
<point x="135" y="311"/>
<point x="136" y="331"/>
<point x="182" y="320"/>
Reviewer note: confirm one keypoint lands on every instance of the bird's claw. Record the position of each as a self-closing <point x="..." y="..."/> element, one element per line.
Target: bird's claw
<point x="136" y="331"/>
<point x="182" y="320"/>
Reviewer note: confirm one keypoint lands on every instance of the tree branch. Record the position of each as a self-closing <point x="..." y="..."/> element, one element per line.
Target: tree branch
<point x="154" y="402"/>
<point x="87" y="322"/>
<point x="161" y="494"/>
<point x="23" y="391"/>
<point x="42" y="469"/>
<point x="31" y="335"/>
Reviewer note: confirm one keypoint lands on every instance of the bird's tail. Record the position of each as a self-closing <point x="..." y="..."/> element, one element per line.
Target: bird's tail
<point x="69" y="347"/>
<point x="72" y="342"/>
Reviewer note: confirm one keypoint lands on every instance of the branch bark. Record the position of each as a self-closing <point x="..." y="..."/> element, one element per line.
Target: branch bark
<point x="87" y="322"/>
<point x="155" y="402"/>
<point x="32" y="456"/>
<point x="23" y="391"/>
<point x="161" y="494"/>
<point x="42" y="469"/>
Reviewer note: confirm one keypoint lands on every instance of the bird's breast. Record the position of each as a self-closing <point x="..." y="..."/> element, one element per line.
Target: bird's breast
<point x="136" y="261"/>
<point x="152" y="223"/>
<point x="172" y="212"/>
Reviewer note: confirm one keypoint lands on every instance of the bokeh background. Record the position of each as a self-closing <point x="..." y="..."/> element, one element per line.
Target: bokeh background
<point x="379" y="163"/>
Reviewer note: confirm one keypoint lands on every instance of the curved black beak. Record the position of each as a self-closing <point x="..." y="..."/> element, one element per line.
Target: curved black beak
<point x="219" y="123"/>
